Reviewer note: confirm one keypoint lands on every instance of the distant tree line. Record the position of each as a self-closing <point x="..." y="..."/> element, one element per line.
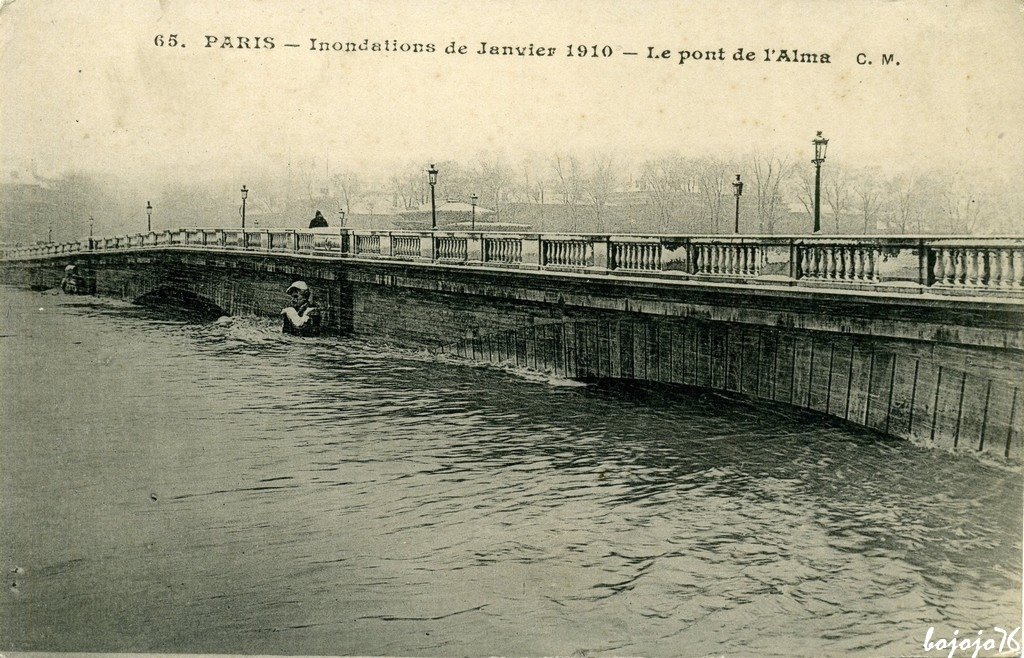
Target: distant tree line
<point x="563" y="191"/>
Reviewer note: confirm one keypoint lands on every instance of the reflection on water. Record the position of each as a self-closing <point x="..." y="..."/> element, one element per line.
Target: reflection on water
<point x="219" y="487"/>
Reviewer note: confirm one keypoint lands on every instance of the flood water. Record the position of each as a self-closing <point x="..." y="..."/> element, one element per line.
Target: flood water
<point x="173" y="485"/>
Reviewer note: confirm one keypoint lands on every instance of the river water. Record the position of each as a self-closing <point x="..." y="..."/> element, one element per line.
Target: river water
<point x="174" y="485"/>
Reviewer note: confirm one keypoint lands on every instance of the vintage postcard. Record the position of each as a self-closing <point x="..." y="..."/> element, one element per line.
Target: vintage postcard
<point x="511" y="328"/>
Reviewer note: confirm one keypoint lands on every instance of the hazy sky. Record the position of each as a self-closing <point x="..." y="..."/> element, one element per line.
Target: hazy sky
<point x="85" y="88"/>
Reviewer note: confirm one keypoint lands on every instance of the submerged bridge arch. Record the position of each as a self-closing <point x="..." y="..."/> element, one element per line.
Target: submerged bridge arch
<point x="894" y="391"/>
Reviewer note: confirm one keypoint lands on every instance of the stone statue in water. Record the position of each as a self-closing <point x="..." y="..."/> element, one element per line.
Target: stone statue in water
<point x="302" y="318"/>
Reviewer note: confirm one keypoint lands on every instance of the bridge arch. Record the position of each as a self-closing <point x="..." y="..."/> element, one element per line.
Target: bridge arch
<point x="911" y="394"/>
<point x="181" y="300"/>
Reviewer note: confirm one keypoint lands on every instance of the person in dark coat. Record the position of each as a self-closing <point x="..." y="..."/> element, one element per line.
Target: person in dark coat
<point x="318" y="221"/>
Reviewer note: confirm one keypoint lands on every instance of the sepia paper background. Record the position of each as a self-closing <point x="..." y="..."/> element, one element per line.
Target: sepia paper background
<point x="86" y="90"/>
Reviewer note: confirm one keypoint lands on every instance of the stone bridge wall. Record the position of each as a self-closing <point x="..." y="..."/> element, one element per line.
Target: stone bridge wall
<point x="942" y="372"/>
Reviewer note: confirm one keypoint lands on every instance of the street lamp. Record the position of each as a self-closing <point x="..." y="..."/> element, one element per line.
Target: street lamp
<point x="472" y="200"/>
<point x="49" y="233"/>
<point x="149" y="218"/>
<point x="90" y="227"/>
<point x="432" y="179"/>
<point x="820" y="144"/>
<point x="341" y="213"/>
<point x="737" y="186"/>
<point x="245" y="194"/>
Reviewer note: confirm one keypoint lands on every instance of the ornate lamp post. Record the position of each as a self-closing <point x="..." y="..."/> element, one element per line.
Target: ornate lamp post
<point x="149" y="217"/>
<point x="432" y="179"/>
<point x="341" y="214"/>
<point x="245" y="193"/>
<point x="820" y="144"/>
<point x="90" y="227"/>
<point x="472" y="200"/>
<point x="737" y="187"/>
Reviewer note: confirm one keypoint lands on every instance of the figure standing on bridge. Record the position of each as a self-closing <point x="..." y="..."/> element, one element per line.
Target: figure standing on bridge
<point x="318" y="221"/>
<point x="302" y="318"/>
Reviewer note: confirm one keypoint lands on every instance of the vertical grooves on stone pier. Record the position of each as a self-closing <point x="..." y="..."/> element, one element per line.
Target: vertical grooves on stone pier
<point x="757" y="380"/>
<point x="792" y="378"/>
<point x="913" y="398"/>
<point x="960" y="410"/>
<point x="849" y="384"/>
<point x="935" y="406"/>
<point x="831" y="361"/>
<point x="871" y="377"/>
<point x="1009" y="426"/>
<point x="892" y="381"/>
<point x="984" y="417"/>
<point x="810" y="376"/>
<point x="775" y="367"/>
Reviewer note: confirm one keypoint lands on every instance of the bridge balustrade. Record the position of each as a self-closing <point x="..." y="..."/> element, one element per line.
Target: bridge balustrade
<point x="949" y="265"/>
<point x="956" y="264"/>
<point x="305" y="242"/>
<point x="451" y="248"/>
<point x="405" y="245"/>
<point x="641" y="254"/>
<point x="503" y="250"/>
<point x="253" y="240"/>
<point x="233" y="239"/>
<point x="367" y="244"/>
<point x="282" y="241"/>
<point x="567" y="252"/>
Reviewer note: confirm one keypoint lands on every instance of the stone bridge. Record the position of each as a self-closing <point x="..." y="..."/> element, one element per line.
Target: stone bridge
<point x="915" y="337"/>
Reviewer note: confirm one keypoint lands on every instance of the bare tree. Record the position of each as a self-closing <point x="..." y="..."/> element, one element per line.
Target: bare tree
<point x="836" y="194"/>
<point x="664" y="179"/>
<point x="869" y="200"/>
<point x="769" y="172"/>
<point x="712" y="174"/>
<point x="600" y="184"/>
<point x="905" y="209"/>
<point x="962" y="208"/>
<point x="350" y="187"/>
<point x="569" y="176"/>
<point x="495" y="179"/>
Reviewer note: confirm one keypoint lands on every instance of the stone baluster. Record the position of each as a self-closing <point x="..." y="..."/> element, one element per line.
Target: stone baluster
<point x="1005" y="269"/>
<point x="941" y="271"/>
<point x="959" y="270"/>
<point x="971" y="267"/>
<point x="1018" y="268"/>
<point x="948" y="267"/>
